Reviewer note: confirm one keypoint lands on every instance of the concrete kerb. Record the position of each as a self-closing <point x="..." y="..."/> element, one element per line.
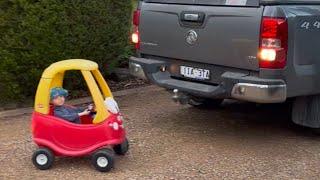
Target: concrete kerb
<point x="22" y="111"/>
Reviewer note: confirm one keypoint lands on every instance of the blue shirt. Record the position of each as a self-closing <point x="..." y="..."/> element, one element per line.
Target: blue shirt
<point x="68" y="113"/>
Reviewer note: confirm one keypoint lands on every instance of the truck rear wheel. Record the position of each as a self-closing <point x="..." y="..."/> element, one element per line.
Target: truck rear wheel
<point x="204" y="103"/>
<point x="306" y="111"/>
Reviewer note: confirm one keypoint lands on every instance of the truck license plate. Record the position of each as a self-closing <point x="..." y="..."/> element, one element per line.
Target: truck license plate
<point x="195" y="73"/>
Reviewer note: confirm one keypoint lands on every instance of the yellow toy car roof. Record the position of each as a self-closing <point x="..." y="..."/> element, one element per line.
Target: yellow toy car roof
<point x="53" y="77"/>
<point x="71" y="64"/>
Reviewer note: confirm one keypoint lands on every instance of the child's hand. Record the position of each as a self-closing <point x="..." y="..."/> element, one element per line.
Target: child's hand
<point x="91" y="107"/>
<point x="85" y="112"/>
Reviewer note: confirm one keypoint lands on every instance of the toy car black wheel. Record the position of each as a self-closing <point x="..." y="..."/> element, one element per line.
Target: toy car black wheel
<point x="43" y="158"/>
<point x="102" y="160"/>
<point x="122" y="149"/>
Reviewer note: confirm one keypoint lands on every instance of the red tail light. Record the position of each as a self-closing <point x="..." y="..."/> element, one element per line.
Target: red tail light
<point x="136" y="17"/>
<point x="273" y="43"/>
<point x="135" y="37"/>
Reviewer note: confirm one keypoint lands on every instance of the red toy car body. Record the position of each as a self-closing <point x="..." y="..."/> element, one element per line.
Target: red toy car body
<point x="68" y="139"/>
<point x="99" y="135"/>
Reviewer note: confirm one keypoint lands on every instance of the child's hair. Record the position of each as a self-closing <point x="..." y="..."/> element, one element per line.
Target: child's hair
<point x="58" y="91"/>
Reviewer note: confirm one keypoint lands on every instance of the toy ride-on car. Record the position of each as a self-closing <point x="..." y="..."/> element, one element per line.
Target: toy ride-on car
<point x="99" y="136"/>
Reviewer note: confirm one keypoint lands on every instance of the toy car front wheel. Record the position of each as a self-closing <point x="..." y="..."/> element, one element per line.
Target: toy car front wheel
<point x="43" y="158"/>
<point x="122" y="149"/>
<point x="102" y="160"/>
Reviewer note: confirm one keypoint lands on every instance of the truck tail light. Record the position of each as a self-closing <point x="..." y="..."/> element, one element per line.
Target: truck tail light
<point x="136" y="17"/>
<point x="273" y="43"/>
<point x="135" y="37"/>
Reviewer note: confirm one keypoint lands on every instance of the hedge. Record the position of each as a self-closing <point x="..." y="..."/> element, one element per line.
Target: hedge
<point x="36" y="33"/>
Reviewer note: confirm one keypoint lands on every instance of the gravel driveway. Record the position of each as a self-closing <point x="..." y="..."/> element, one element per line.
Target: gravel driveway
<point x="169" y="141"/>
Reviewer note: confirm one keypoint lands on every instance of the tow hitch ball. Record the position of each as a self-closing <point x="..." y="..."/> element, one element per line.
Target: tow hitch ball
<point x="180" y="97"/>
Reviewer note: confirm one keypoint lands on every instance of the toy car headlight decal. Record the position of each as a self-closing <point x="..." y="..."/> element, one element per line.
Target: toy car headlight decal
<point x="114" y="125"/>
<point x="120" y="118"/>
<point x="111" y="105"/>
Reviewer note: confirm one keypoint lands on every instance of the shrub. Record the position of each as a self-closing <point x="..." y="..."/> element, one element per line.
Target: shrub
<point x="36" y="33"/>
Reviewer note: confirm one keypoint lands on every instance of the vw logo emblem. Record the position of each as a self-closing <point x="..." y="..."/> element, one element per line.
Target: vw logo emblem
<point x="192" y="37"/>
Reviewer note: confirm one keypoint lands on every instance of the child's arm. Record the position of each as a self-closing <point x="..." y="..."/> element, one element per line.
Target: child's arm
<point x="84" y="113"/>
<point x="71" y="115"/>
<point x="63" y="113"/>
<point x="90" y="108"/>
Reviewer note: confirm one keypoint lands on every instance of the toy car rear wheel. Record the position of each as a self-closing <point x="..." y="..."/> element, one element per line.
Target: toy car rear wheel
<point x="122" y="149"/>
<point x="43" y="158"/>
<point x="102" y="160"/>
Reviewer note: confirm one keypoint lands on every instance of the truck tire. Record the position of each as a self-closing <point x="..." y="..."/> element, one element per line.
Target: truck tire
<point x="204" y="103"/>
<point x="306" y="111"/>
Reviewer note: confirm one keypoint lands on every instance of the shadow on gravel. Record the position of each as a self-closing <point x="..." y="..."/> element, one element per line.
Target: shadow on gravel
<point x="240" y="119"/>
<point x="72" y="163"/>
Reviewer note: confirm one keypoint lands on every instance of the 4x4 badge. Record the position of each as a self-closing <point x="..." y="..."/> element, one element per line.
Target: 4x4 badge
<point x="192" y="37"/>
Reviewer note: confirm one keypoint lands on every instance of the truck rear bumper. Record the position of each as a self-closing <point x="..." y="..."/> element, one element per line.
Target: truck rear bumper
<point x="234" y="85"/>
<point x="259" y="92"/>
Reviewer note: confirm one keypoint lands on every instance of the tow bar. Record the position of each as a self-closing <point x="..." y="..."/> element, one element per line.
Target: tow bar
<point x="180" y="97"/>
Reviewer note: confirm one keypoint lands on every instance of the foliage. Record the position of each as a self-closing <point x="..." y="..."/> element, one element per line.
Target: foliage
<point x="36" y="33"/>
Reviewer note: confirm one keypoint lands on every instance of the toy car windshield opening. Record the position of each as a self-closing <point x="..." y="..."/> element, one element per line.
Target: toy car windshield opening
<point x="53" y="77"/>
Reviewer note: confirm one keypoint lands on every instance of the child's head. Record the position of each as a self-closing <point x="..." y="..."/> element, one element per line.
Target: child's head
<point x="58" y="95"/>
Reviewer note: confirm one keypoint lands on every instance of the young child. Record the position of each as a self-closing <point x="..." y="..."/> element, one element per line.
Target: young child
<point x="68" y="113"/>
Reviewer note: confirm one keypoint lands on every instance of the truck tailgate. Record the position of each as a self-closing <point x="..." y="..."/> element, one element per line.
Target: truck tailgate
<point x="226" y="36"/>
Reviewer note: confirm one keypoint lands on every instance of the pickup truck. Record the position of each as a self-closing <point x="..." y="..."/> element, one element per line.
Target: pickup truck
<point x="262" y="51"/>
